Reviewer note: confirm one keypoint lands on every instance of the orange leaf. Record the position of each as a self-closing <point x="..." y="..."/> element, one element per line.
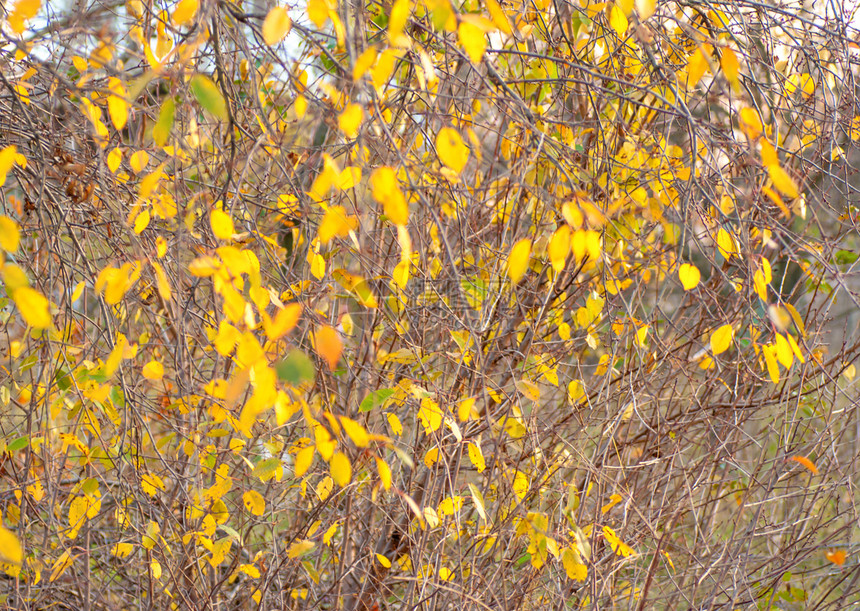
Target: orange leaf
<point x="328" y="346"/>
<point x="837" y="557"/>
<point x="805" y="462"/>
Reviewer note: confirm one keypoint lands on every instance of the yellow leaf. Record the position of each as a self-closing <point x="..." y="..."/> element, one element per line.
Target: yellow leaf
<point x="800" y="82"/>
<point x="431" y="457"/>
<point x="149" y="538"/>
<point x="807" y="84"/>
<point x="618" y="20"/>
<point x="613" y="501"/>
<point x="341" y="470"/>
<point x="768" y="153"/>
<point x="721" y="339"/>
<point x="63" y="562"/>
<point x="33" y="306"/>
<point x="529" y="390"/>
<point x="363" y="63"/>
<point x="7" y="160"/>
<point x="750" y="123"/>
<point x="117" y="104"/>
<point x="161" y="281"/>
<point x="151" y="484"/>
<point x="304" y="459"/>
<point x="222" y="224"/>
<point x="696" y="67"/>
<point x="784" y="353"/>
<point x="395" y="424"/>
<point x="383" y="182"/>
<point x="518" y="260"/>
<point x="138" y="161"/>
<point x="318" y="11"/>
<point x="384" y="67"/>
<point x="499" y="17"/>
<point x="473" y="41"/>
<point x="731" y="67"/>
<point x="477" y="457"/>
<point x="573" y="565"/>
<point x="276" y="26"/>
<point x="559" y="247"/>
<point x="79" y="290"/>
<point x="254" y="502"/>
<point x="122" y="550"/>
<point x="330" y="533"/>
<point x="430" y="415"/>
<point x="350" y="120"/>
<point x="769" y="353"/>
<point x="355" y="431"/>
<point x="795" y="348"/>
<point x="14" y="277"/>
<point x="478" y="500"/>
<point x="300" y="104"/>
<point x="383" y="561"/>
<point x="782" y="181"/>
<point x="585" y="242"/>
<point x="727" y="244"/>
<point x="10" y="234"/>
<point x="645" y="8"/>
<point x="575" y="392"/>
<point x="384" y="473"/>
<point x="184" y="11"/>
<point x="142" y="221"/>
<point x="451" y="149"/>
<point x="153" y="370"/>
<point x="24" y="11"/>
<point x="689" y="275"/>
<point x="618" y="546"/>
<point x="328" y="345"/>
<point x="299" y="548"/>
<point x="10" y="547"/>
<point x="348" y="178"/>
<point x="806" y="463"/>
<point x="284" y="321"/>
<point x="336" y="223"/>
<point x="397" y="20"/>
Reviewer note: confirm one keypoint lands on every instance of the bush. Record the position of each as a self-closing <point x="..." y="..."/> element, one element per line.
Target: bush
<point x="435" y="305"/>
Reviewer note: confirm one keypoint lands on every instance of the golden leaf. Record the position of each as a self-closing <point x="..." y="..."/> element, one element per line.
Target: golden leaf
<point x="350" y="120"/>
<point x="473" y="41"/>
<point x="341" y="469"/>
<point x="33" y="306"/>
<point x="689" y="275"/>
<point x="276" y="25"/>
<point x="184" y="11"/>
<point x="782" y="181"/>
<point x="721" y="339"/>
<point x="153" y="370"/>
<point x="451" y="149"/>
<point x="254" y="502"/>
<point x="518" y="260"/>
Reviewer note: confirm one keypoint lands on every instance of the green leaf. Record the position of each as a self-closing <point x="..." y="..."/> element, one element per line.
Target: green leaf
<point x="63" y="379"/>
<point x="208" y="96"/>
<point x="266" y="469"/>
<point x="18" y="444"/>
<point x="161" y="130"/>
<point x="231" y="532"/>
<point x="375" y="399"/>
<point x="296" y="368"/>
<point x="845" y="257"/>
<point x="28" y="363"/>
